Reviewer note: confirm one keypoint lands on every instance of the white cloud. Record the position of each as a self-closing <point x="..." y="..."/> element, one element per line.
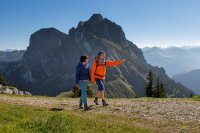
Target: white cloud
<point x="166" y="44"/>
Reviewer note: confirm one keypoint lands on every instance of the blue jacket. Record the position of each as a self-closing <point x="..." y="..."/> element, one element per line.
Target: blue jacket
<point x="82" y="72"/>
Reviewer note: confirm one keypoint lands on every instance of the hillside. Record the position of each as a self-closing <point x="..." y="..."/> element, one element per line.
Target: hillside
<point x="48" y="65"/>
<point x="123" y="115"/>
<point x="11" y="56"/>
<point x="190" y="79"/>
<point x="175" y="60"/>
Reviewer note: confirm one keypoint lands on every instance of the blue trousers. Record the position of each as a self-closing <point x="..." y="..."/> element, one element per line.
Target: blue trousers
<point x="83" y="85"/>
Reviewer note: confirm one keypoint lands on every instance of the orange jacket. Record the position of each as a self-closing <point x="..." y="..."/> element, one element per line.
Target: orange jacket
<point x="98" y="69"/>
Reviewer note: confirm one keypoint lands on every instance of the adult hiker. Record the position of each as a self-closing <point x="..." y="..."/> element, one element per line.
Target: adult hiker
<point x="83" y="78"/>
<point x="98" y="73"/>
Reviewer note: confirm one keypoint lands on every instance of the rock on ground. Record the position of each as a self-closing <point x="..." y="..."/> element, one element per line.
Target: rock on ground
<point x="12" y="90"/>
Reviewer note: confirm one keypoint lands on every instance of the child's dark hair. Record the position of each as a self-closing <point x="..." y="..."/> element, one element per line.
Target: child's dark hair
<point x="83" y="58"/>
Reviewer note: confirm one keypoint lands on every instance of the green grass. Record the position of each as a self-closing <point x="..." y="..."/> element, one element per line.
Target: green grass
<point x="21" y="119"/>
<point x="25" y="119"/>
<point x="196" y="97"/>
<point x="65" y="94"/>
<point x="37" y="96"/>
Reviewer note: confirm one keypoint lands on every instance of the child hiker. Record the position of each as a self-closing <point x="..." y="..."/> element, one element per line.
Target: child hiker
<point x="83" y="78"/>
<point x="98" y="73"/>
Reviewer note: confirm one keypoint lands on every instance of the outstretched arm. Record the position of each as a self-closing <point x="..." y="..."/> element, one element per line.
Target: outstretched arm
<point x="114" y="63"/>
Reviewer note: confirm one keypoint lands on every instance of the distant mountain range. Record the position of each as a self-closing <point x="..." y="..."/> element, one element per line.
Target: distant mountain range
<point x="11" y="55"/>
<point x="175" y="60"/>
<point x="48" y="65"/>
<point x="10" y="50"/>
<point x="190" y="79"/>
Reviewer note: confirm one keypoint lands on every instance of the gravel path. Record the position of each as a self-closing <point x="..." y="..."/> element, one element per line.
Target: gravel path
<point x="178" y="110"/>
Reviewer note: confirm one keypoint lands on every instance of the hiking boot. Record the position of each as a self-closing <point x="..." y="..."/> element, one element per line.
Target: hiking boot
<point x="86" y="108"/>
<point x="80" y="107"/>
<point x="104" y="103"/>
<point x="96" y="101"/>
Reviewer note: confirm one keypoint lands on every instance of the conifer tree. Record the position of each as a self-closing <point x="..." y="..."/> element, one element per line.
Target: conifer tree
<point x="162" y="93"/>
<point x="3" y="81"/>
<point x="149" y="87"/>
<point x="156" y="90"/>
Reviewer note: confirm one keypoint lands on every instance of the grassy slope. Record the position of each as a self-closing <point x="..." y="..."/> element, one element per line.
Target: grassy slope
<point x="15" y="118"/>
<point x="20" y="118"/>
<point x="117" y="89"/>
<point x="197" y="97"/>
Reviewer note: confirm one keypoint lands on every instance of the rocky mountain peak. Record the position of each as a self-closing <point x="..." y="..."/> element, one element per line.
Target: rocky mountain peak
<point x="45" y="31"/>
<point x="102" y="28"/>
<point x="44" y="40"/>
<point x="44" y="35"/>
<point x="96" y="18"/>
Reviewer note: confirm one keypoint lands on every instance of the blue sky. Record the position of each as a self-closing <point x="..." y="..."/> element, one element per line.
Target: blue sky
<point x="145" y="22"/>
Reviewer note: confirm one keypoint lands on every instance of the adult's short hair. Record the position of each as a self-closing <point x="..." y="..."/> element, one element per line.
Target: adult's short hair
<point x="100" y="53"/>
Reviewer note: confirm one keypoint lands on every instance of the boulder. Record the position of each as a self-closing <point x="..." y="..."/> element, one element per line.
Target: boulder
<point x="12" y="90"/>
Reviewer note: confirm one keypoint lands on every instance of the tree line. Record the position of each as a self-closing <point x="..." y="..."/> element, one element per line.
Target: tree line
<point x="154" y="90"/>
